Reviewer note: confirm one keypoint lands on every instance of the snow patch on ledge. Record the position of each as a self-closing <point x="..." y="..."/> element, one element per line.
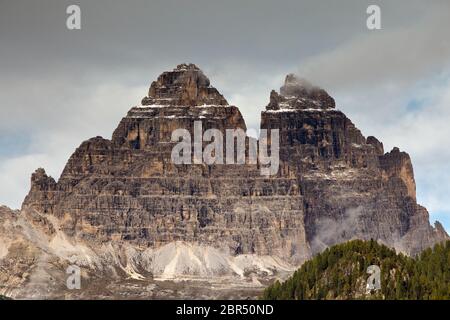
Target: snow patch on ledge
<point x="300" y="110"/>
<point x="153" y="106"/>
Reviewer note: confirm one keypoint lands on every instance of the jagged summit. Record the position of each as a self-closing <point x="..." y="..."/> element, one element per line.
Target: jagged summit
<point x="186" y="85"/>
<point x="175" y="100"/>
<point x="123" y="209"/>
<point x="297" y="93"/>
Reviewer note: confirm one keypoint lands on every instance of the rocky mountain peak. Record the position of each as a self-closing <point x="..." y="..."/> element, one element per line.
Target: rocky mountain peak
<point x="298" y="93"/>
<point x="294" y="86"/>
<point x="41" y="177"/>
<point x="122" y="209"/>
<point x="186" y="85"/>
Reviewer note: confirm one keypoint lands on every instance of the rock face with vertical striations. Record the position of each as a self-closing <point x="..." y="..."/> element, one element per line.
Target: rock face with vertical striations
<point x="350" y="188"/>
<point x="123" y="209"/>
<point x="128" y="188"/>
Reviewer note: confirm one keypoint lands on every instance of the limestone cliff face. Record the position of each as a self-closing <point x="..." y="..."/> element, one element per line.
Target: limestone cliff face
<point x="397" y="165"/>
<point x="128" y="188"/>
<point x="350" y="188"/>
<point x="333" y="185"/>
<point x="184" y="86"/>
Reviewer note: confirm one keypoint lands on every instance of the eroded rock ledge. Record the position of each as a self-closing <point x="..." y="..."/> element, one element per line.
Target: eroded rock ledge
<point x="120" y="203"/>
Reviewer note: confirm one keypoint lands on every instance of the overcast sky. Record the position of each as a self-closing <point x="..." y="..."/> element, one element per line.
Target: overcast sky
<point x="59" y="87"/>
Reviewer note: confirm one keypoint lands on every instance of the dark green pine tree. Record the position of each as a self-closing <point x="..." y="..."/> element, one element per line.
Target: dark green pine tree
<point x="339" y="272"/>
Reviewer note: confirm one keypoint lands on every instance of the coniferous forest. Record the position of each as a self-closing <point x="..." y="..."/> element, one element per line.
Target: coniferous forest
<point x="340" y="272"/>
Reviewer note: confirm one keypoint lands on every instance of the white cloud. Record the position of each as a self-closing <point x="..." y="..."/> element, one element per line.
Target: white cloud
<point x="64" y="124"/>
<point x="424" y="134"/>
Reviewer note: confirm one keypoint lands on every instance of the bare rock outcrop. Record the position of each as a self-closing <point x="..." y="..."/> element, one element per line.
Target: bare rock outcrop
<point x="350" y="188"/>
<point x="123" y="207"/>
<point x="186" y="85"/>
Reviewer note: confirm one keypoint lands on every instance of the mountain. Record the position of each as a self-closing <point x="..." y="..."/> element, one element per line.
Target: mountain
<point x="140" y="224"/>
<point x="340" y="272"/>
